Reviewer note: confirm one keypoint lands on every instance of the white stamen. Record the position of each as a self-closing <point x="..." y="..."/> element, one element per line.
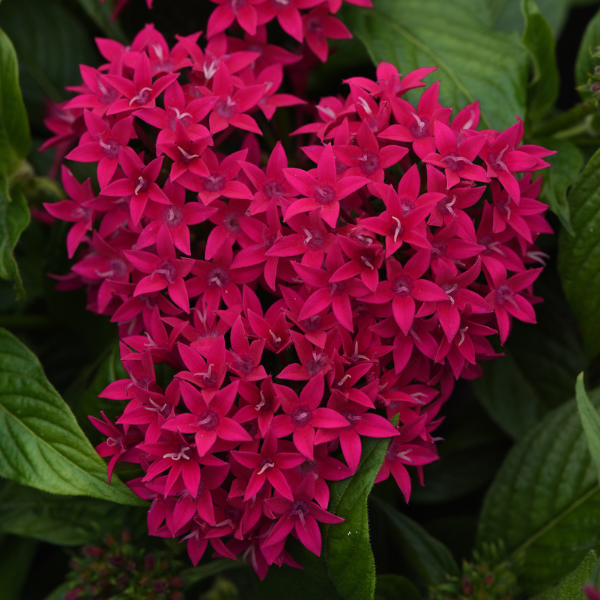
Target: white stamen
<point x="178" y="455"/>
<point x="343" y="379"/>
<point x="208" y="373"/>
<point x="140" y="185"/>
<point x="269" y="464"/>
<point x="139" y="96"/>
<point x="398" y="229"/>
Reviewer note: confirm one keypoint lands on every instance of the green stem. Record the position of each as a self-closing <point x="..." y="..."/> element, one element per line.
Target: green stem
<point x="566" y="120"/>
<point x="579" y="129"/>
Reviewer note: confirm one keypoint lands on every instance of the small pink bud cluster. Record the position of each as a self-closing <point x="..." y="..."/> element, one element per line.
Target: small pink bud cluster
<point x="117" y="569"/>
<point x="301" y="309"/>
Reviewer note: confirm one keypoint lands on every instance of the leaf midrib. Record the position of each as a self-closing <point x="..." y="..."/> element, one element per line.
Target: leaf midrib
<point x="565" y="513"/>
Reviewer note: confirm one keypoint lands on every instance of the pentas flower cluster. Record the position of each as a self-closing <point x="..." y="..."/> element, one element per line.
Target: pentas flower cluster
<point x="302" y="310"/>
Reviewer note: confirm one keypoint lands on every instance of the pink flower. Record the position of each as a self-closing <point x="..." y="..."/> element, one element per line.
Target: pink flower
<point x="324" y="192"/>
<point x="207" y="420"/>
<point x="318" y="26"/>
<point x="164" y="270"/>
<point x="300" y="515"/>
<point x="139" y="184"/>
<point x="303" y="415"/>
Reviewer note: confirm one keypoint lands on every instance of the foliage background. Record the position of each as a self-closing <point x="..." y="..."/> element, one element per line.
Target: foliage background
<point x="515" y="464"/>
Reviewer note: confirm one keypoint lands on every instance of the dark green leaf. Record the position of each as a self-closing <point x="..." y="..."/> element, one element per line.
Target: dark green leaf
<point x="100" y="14"/>
<point x="542" y="90"/>
<point x="507" y="14"/>
<point x="347" y="549"/>
<point x="395" y="587"/>
<point x="64" y="521"/>
<point x="579" y="255"/>
<point x="41" y="444"/>
<point x="59" y="592"/>
<point x="14" y="219"/>
<point x="566" y="165"/>
<point x="509" y="396"/>
<point x="430" y="559"/>
<point x="474" y="62"/>
<point x="50" y="44"/>
<point x="589" y="42"/>
<point x="82" y="394"/>
<point x="590" y="421"/>
<point x="545" y="501"/>
<point x="471" y="451"/>
<point x="16" y="554"/>
<point x="214" y="567"/>
<point x="570" y="587"/>
<point x="14" y="127"/>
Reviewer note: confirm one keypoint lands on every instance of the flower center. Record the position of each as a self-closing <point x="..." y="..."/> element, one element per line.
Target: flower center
<point x="231" y="223"/>
<point x="301" y="415"/>
<point x="209" y="420"/>
<point x="225" y="107"/>
<point x="324" y="195"/>
<point x="217" y="277"/>
<point x="402" y="285"/>
<point x="315" y="238"/>
<point x="168" y="270"/>
<point x="214" y="183"/>
<point x="455" y="163"/>
<point x="369" y="163"/>
<point x="312" y="324"/>
<point x="110" y="147"/>
<point x="266" y="463"/>
<point x="439" y="248"/>
<point x="315" y="364"/>
<point x="142" y="97"/>
<point x="445" y="206"/>
<point x="172" y="216"/>
<point x="420" y="128"/>
<point x="272" y="188"/>
<point x="504" y="294"/>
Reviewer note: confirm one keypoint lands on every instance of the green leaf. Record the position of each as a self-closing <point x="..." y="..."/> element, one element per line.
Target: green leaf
<point x="41" y="444"/>
<point x="545" y="501"/>
<point x="579" y="255"/>
<point x="347" y="549"/>
<point x="566" y="165"/>
<point x="509" y="396"/>
<point x="16" y="555"/>
<point x="14" y="219"/>
<point x="590" y="421"/>
<point x="395" y="587"/>
<point x="542" y="90"/>
<point x="507" y="14"/>
<point x="473" y="449"/>
<point x="55" y="519"/>
<point x="430" y="559"/>
<point x="100" y="14"/>
<point x="585" y="62"/>
<point x="570" y="587"/>
<point x="50" y="44"/>
<point x="474" y="62"/>
<point x="59" y="592"/>
<point x="15" y="140"/>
